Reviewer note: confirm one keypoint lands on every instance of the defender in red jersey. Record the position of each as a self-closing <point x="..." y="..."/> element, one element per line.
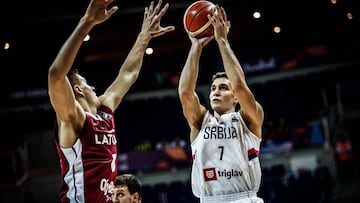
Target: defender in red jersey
<point x="85" y="131"/>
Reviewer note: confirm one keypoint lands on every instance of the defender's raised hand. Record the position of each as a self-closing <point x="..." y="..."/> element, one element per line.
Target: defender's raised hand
<point x="98" y="12"/>
<point x="152" y="19"/>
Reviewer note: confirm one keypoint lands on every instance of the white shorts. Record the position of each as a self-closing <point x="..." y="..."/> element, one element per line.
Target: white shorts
<point x="243" y="197"/>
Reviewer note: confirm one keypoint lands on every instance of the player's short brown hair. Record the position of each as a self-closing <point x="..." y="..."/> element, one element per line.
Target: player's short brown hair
<point x="131" y="181"/>
<point x="73" y="77"/>
<point x="218" y="75"/>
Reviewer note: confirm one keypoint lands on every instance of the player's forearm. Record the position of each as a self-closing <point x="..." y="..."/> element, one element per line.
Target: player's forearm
<point x="134" y="59"/>
<point x="189" y="74"/>
<point x="231" y="64"/>
<point x="67" y="54"/>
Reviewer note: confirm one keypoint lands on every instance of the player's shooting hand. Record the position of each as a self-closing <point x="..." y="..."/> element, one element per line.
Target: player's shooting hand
<point x="220" y="22"/>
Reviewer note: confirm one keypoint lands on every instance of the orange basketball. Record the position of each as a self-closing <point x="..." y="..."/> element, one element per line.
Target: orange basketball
<point x="196" y="21"/>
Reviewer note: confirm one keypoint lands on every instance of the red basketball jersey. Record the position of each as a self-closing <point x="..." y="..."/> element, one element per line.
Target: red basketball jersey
<point x="89" y="168"/>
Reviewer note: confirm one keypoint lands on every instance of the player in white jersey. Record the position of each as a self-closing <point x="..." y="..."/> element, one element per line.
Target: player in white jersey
<point x="225" y="140"/>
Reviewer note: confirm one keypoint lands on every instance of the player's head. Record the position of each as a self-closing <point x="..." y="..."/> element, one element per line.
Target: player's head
<point x="222" y="96"/>
<point x="81" y="88"/>
<point x="128" y="189"/>
<point x="74" y="77"/>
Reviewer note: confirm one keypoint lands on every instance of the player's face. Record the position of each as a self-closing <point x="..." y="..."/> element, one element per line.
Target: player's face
<point x="122" y="195"/>
<point x="222" y="98"/>
<point x="88" y="91"/>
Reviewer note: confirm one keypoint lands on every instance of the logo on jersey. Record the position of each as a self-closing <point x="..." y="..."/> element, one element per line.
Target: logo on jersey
<point x="230" y="173"/>
<point x="252" y="153"/>
<point x="209" y="174"/>
<point x="105" y="115"/>
<point x="107" y="187"/>
<point x="234" y="118"/>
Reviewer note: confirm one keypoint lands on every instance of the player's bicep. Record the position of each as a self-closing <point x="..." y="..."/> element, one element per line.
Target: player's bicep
<point x="249" y="105"/>
<point x="62" y="98"/>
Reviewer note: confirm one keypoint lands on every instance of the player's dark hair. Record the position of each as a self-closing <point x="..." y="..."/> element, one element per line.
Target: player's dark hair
<point x="131" y="181"/>
<point x="73" y="76"/>
<point x="218" y="75"/>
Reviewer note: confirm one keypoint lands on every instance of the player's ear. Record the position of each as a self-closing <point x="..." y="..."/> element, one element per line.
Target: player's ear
<point x="136" y="197"/>
<point x="78" y="90"/>
<point x="235" y="99"/>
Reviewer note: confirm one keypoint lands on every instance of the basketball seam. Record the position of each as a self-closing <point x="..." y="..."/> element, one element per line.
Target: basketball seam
<point x="187" y="10"/>
<point x="198" y="31"/>
<point x="201" y="28"/>
<point x="198" y="13"/>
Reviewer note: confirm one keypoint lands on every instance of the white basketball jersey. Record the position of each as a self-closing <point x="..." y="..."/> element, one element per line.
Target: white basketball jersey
<point x="225" y="157"/>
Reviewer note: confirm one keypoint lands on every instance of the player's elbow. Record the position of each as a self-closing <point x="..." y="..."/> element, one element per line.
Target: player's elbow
<point x="240" y="85"/>
<point x="132" y="76"/>
<point x="55" y="74"/>
<point x="184" y="93"/>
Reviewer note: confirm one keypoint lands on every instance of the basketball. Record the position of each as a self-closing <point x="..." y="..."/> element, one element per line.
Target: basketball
<point x="196" y="21"/>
